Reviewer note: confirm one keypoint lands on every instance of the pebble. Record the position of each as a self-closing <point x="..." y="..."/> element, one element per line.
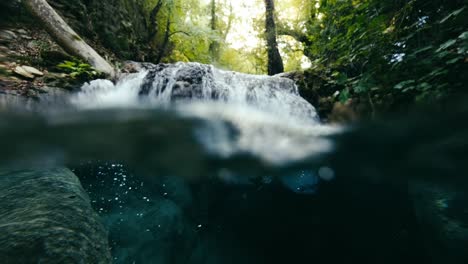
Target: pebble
<point x="22" y="72"/>
<point x="28" y="71"/>
<point x="7" y="35"/>
<point x="22" y="31"/>
<point x="33" y="70"/>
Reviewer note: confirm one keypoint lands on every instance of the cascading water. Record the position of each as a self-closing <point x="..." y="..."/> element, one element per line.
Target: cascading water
<point x="248" y="128"/>
<point x="243" y="114"/>
<point x="249" y="152"/>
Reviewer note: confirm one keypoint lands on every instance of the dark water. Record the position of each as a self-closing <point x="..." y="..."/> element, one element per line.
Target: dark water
<point x="169" y="220"/>
<point x="252" y="177"/>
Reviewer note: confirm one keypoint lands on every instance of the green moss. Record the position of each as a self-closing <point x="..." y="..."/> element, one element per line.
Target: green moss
<point x="77" y="38"/>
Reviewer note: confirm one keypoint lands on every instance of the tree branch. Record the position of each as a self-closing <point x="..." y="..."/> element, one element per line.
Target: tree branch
<point x="177" y="32"/>
<point x="299" y="36"/>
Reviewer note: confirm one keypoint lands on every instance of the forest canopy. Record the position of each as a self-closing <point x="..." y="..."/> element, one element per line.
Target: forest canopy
<point x="416" y="47"/>
<point x="238" y="30"/>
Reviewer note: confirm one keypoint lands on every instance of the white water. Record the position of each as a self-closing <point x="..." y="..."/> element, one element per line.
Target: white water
<point x="260" y="115"/>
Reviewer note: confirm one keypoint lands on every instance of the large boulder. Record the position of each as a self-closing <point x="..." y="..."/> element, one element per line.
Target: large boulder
<point x="46" y="217"/>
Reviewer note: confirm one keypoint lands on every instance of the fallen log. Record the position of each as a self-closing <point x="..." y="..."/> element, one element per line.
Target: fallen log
<point x="66" y="37"/>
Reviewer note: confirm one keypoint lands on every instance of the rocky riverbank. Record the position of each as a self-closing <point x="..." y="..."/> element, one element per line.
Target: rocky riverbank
<point x="28" y="64"/>
<point x="30" y="60"/>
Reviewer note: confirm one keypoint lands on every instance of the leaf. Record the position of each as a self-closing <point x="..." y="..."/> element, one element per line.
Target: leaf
<point x="453" y="14"/>
<point x="447" y="45"/>
<point x="403" y="84"/>
<point x="424" y="86"/>
<point x="452" y="61"/>
<point x="67" y="66"/>
<point x="342" y="78"/>
<point x="390" y="29"/>
<point x="442" y="54"/>
<point x="463" y="50"/>
<point x="84" y="65"/>
<point x="437" y="72"/>
<point x="464" y="35"/>
<point x="361" y="88"/>
<point x="409" y="88"/>
<point x="422" y="49"/>
<point x="344" y="96"/>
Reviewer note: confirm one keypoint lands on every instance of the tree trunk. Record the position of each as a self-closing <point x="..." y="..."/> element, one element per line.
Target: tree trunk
<point x="66" y="37"/>
<point x="275" y="62"/>
<point x="153" y="20"/>
<point x="230" y="20"/>
<point x="214" y="45"/>
<point x="167" y="37"/>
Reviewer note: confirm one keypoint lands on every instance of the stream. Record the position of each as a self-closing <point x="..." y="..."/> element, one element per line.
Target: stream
<point x="186" y="163"/>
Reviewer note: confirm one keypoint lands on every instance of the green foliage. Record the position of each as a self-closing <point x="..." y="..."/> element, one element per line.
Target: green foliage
<point x="186" y="25"/>
<point x="191" y="33"/>
<point x="79" y="70"/>
<point x="415" y="48"/>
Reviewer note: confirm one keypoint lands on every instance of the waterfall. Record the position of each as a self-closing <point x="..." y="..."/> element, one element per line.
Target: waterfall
<point x="160" y="85"/>
<point x="243" y="114"/>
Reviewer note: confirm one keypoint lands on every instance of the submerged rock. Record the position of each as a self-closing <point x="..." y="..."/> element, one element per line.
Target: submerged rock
<point x="46" y="217"/>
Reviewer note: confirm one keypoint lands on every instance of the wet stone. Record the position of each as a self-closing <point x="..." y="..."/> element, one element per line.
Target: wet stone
<point x="23" y="73"/>
<point x="32" y="70"/>
<point x="46" y="217"/>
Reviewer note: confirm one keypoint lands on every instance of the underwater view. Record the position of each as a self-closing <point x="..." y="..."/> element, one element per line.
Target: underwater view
<point x="182" y="132"/>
